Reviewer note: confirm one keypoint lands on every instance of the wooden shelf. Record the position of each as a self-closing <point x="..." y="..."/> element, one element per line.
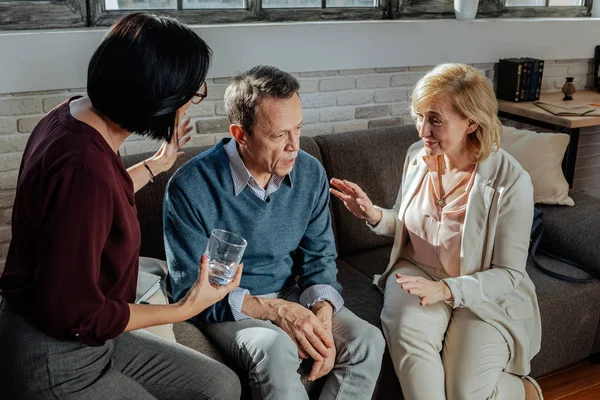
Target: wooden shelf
<point x="530" y="110"/>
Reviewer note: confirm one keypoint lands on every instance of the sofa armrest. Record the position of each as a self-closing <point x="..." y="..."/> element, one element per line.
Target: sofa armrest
<point x="154" y="266"/>
<point x="574" y="232"/>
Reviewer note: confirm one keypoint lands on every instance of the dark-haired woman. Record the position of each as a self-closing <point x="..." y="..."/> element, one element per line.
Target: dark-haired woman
<point x="68" y="328"/>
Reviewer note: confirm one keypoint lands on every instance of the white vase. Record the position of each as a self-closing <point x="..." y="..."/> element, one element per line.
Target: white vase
<point x="467" y="9"/>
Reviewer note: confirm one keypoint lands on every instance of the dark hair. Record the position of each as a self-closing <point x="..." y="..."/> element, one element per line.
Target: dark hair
<point x="246" y="90"/>
<point x="145" y="69"/>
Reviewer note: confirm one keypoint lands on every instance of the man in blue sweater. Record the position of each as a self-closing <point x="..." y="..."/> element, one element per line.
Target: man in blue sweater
<point x="260" y="185"/>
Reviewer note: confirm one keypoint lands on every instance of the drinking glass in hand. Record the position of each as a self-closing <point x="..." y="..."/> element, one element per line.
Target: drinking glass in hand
<point x="224" y="252"/>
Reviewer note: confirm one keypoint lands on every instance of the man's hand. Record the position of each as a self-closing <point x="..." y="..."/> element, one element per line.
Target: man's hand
<point x="311" y="336"/>
<point x="324" y="312"/>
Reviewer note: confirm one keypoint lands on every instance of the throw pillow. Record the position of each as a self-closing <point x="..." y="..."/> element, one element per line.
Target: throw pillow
<point x="541" y="155"/>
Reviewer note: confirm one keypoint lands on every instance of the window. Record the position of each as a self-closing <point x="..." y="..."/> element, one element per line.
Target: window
<point x="546" y="8"/>
<point x="104" y="12"/>
<point x="544" y="3"/>
<point x="496" y="8"/>
<point x="33" y="14"/>
<point x="42" y="14"/>
<point x="113" y="5"/>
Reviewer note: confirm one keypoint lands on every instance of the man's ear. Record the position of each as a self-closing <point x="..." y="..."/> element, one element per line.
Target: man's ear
<point x="238" y="134"/>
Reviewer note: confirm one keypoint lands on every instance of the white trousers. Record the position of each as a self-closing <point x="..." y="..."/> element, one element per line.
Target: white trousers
<point x="473" y="353"/>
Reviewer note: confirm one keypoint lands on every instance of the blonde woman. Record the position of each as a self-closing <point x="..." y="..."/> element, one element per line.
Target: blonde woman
<point x="460" y="313"/>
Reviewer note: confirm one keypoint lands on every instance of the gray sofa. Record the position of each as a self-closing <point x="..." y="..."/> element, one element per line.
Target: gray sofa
<point x="374" y="159"/>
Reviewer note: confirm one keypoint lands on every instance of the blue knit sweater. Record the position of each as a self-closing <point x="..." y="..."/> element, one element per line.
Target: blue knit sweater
<point x="289" y="237"/>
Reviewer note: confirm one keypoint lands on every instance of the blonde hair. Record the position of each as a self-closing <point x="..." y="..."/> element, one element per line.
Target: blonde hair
<point x="471" y="95"/>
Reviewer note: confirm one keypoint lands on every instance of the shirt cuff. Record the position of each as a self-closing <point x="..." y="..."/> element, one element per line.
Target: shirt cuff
<point x="386" y="225"/>
<point x="456" y="292"/>
<point x="317" y="293"/>
<point x="236" y="299"/>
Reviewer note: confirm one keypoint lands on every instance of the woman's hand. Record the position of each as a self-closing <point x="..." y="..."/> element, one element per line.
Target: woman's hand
<point x="355" y="200"/>
<point x="430" y="292"/>
<point x="168" y="153"/>
<point x="203" y="295"/>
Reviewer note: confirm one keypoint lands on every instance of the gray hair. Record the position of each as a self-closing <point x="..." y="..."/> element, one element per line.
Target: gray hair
<point x="246" y="90"/>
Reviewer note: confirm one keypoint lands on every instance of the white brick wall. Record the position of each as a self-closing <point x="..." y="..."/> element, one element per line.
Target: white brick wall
<point x="333" y="102"/>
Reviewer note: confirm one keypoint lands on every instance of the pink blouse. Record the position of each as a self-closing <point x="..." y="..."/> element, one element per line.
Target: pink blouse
<point x="435" y="233"/>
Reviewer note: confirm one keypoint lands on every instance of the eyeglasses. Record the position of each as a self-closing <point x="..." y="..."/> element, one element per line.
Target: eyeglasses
<point x="198" y="97"/>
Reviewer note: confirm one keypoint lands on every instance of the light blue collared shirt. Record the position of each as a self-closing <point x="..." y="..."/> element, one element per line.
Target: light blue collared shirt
<point x="242" y="178"/>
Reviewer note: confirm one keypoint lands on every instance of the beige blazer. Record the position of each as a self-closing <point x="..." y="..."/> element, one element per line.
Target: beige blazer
<point x="493" y="282"/>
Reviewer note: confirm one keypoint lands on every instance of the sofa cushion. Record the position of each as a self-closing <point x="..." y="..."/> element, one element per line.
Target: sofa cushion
<point x="373" y="159"/>
<point x="569" y="319"/>
<point x="372" y="262"/>
<point x="574" y="232"/>
<point x="596" y="346"/>
<point x="541" y="154"/>
<point x="190" y="336"/>
<point x="149" y="199"/>
<point x="359" y="295"/>
<point x="366" y="302"/>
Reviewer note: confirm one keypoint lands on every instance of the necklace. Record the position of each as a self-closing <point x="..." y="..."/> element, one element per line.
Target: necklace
<point x="109" y="135"/>
<point x="442" y="199"/>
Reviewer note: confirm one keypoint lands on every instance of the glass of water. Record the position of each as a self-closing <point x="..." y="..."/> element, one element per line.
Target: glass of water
<point x="224" y="252"/>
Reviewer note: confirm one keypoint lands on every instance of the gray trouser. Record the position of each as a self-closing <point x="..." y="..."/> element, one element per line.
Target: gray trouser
<point x="270" y="356"/>
<point x="136" y="365"/>
<point x="474" y="353"/>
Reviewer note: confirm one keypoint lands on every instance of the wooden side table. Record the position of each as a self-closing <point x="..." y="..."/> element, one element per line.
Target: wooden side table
<point x="531" y="114"/>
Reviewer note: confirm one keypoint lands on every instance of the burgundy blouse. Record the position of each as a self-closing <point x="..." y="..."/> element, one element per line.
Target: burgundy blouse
<point x="73" y="259"/>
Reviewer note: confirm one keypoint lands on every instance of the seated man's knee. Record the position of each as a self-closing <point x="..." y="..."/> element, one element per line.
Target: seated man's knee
<point x="368" y="343"/>
<point x="373" y="339"/>
<point x="273" y="352"/>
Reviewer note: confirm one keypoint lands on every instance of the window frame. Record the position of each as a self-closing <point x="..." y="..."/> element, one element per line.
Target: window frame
<point x="18" y="15"/>
<point x="437" y="9"/>
<point x="22" y="15"/>
<point x="99" y="16"/>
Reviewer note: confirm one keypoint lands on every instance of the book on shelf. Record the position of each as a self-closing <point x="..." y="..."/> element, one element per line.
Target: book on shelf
<point x="519" y="79"/>
<point x="570" y="109"/>
<point x="537" y="72"/>
<point x="510" y="73"/>
<point x="525" y="79"/>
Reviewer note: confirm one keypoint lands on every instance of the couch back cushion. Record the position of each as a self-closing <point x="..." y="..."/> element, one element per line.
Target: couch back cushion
<point x="149" y="200"/>
<point x="374" y="159"/>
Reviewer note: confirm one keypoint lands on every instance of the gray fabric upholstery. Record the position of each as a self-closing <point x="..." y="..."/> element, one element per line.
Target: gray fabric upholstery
<point x="189" y="335"/>
<point x="569" y="319"/>
<point x="596" y="347"/>
<point x="366" y="301"/>
<point x="370" y="262"/>
<point x="360" y="296"/>
<point x="574" y="232"/>
<point x="373" y="159"/>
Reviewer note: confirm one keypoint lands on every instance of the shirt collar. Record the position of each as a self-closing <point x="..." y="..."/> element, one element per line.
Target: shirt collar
<point x="239" y="172"/>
